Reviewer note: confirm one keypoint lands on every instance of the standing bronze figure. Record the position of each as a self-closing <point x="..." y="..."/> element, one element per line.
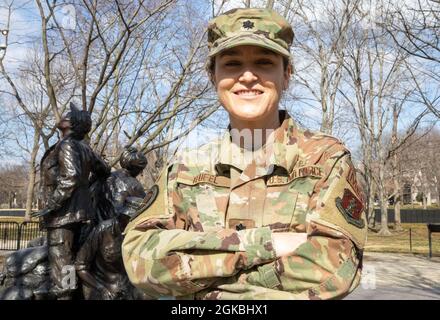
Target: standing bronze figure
<point x="66" y="171"/>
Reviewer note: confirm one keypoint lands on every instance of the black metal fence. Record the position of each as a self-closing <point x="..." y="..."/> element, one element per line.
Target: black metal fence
<point x="14" y="236"/>
<point x="12" y="212"/>
<point x="412" y="215"/>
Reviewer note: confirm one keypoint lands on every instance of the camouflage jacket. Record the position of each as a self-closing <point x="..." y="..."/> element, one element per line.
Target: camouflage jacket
<point x="208" y="235"/>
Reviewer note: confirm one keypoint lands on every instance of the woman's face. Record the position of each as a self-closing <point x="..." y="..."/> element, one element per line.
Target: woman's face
<point x="249" y="82"/>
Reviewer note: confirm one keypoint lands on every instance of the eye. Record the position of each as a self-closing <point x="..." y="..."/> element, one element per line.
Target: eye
<point x="264" y="62"/>
<point x="232" y="63"/>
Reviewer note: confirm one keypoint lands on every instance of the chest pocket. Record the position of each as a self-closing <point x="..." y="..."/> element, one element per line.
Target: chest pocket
<point x="287" y="202"/>
<point x="204" y="203"/>
<point x="280" y="210"/>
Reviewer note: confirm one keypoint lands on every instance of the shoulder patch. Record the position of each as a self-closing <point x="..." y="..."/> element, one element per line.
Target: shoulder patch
<point x="351" y="208"/>
<point x="339" y="207"/>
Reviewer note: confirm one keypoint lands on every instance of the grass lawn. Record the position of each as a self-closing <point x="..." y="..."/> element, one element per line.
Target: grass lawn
<point x="15" y="219"/>
<point x="399" y="241"/>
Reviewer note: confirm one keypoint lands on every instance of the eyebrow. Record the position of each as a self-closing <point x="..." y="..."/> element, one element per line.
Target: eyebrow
<point x="233" y="52"/>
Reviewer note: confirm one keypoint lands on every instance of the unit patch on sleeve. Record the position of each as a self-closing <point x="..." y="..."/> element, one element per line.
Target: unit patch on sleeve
<point x="351" y="208"/>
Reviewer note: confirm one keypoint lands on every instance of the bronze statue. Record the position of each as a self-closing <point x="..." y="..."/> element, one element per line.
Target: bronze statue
<point x="96" y="209"/>
<point x="109" y="196"/>
<point x="99" y="261"/>
<point x="123" y="183"/>
<point x="66" y="169"/>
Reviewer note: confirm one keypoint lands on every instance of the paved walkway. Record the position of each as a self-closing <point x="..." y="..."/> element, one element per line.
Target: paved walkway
<point x="392" y="276"/>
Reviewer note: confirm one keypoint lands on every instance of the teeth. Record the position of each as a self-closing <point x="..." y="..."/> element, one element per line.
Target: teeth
<point x="248" y="92"/>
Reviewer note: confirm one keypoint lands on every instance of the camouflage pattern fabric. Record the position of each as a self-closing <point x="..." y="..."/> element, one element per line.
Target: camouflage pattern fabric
<point x="208" y="235"/>
<point x="258" y="27"/>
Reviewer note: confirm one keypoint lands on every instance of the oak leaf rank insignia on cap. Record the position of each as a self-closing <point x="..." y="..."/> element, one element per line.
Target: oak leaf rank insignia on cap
<point x="248" y="24"/>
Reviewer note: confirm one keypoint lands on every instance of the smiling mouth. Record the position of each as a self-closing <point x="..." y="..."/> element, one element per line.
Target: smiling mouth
<point x="248" y="93"/>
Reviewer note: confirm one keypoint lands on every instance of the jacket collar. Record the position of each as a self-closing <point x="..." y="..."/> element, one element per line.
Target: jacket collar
<point x="280" y="152"/>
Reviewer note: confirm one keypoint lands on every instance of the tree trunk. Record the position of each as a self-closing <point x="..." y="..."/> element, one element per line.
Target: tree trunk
<point x="11" y="199"/>
<point x="270" y="4"/>
<point x="327" y="123"/>
<point x="397" y="195"/>
<point x="287" y="8"/>
<point x="395" y="171"/>
<point x="437" y="195"/>
<point x="384" y="231"/>
<point x="425" y="191"/>
<point x="397" y="219"/>
<point x="371" y="212"/>
<point x="32" y="174"/>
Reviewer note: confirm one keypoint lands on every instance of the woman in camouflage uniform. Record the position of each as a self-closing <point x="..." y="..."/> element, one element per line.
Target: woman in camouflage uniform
<point x="278" y="218"/>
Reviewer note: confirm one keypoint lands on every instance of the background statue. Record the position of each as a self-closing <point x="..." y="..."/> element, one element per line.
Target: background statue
<point x="66" y="169"/>
<point x="99" y="261"/>
<point x="109" y="197"/>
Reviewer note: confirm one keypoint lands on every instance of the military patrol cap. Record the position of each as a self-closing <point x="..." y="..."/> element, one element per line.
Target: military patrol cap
<point x="258" y="27"/>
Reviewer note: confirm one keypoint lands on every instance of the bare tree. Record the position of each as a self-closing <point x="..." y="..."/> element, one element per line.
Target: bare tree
<point x="136" y="66"/>
<point x="379" y="77"/>
<point x="321" y="38"/>
<point x="29" y="93"/>
<point x="415" y="28"/>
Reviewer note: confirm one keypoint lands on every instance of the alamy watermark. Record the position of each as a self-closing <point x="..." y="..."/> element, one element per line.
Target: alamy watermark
<point x="69" y="280"/>
<point x="66" y="16"/>
<point x="244" y="147"/>
<point x="368" y="280"/>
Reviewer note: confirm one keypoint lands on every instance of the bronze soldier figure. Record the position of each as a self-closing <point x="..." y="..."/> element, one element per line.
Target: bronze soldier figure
<point x="99" y="261"/>
<point x="123" y="184"/>
<point x="66" y="170"/>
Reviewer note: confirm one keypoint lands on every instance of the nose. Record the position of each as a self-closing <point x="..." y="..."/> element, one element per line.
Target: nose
<point x="248" y="76"/>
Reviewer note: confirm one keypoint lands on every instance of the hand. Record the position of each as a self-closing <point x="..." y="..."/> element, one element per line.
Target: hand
<point x="40" y="213"/>
<point x="285" y="243"/>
